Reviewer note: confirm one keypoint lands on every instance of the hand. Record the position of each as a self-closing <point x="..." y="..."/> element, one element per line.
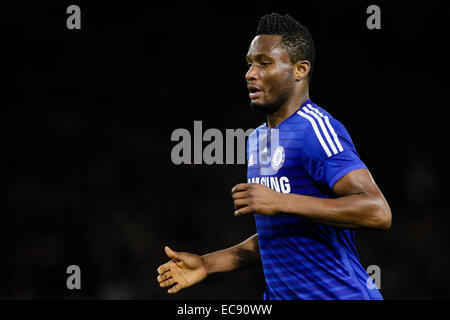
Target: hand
<point x="184" y="270"/>
<point x="255" y="198"/>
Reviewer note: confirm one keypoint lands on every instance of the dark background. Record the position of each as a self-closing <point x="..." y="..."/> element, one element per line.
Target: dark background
<point x="87" y="117"/>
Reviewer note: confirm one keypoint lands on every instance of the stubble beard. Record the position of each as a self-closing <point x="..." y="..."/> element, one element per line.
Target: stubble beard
<point x="266" y="108"/>
<point x="271" y="107"/>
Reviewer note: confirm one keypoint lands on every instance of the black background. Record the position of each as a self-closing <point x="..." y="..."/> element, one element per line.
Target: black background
<point x="87" y="117"/>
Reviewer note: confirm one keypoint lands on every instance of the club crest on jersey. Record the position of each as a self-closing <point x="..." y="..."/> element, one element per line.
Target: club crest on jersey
<point x="278" y="158"/>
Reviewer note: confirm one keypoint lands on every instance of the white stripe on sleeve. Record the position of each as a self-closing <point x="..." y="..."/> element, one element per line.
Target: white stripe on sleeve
<point x="327" y="121"/>
<point x="324" y="130"/>
<point x="316" y="130"/>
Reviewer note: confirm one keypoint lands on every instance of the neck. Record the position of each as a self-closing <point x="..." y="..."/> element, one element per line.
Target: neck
<point x="287" y="109"/>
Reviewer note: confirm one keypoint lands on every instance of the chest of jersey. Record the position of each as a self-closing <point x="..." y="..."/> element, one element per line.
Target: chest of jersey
<point x="275" y="160"/>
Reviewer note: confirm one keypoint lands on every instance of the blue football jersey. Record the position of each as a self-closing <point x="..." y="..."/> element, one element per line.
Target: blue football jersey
<point x="306" y="154"/>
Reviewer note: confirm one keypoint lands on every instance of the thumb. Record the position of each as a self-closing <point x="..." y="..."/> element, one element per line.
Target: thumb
<point x="171" y="254"/>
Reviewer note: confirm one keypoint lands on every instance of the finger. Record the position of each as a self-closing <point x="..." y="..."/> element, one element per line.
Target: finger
<point x="239" y="187"/>
<point x="167" y="283"/>
<point x="164" y="276"/>
<point x="240" y="195"/>
<point x="175" y="288"/>
<point x="163" y="268"/>
<point x="242" y="211"/>
<point x="240" y="203"/>
<point x="171" y="254"/>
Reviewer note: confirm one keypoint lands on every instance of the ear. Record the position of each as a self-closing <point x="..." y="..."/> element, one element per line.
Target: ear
<point x="301" y="69"/>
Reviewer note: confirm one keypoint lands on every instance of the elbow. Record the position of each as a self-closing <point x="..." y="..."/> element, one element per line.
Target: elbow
<point x="382" y="218"/>
<point x="385" y="220"/>
<point x="379" y="215"/>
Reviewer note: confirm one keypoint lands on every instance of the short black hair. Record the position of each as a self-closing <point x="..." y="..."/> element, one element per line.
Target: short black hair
<point x="295" y="37"/>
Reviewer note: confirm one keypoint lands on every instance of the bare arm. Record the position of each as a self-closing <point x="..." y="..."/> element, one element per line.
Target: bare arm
<point x="360" y="203"/>
<point x="186" y="269"/>
<point x="240" y="256"/>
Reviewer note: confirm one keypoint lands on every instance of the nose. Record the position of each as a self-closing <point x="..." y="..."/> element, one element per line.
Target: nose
<point x="251" y="74"/>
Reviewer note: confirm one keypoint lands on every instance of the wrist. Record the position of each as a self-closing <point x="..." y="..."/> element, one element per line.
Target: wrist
<point x="206" y="265"/>
<point x="280" y="203"/>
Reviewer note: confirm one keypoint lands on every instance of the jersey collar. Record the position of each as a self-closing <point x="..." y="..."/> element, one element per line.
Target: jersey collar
<point x="285" y="120"/>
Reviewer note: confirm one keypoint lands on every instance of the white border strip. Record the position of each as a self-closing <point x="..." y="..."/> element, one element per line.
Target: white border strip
<point x="333" y="133"/>
<point x="316" y="130"/>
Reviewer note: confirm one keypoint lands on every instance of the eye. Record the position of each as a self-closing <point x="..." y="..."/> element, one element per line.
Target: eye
<point x="264" y="63"/>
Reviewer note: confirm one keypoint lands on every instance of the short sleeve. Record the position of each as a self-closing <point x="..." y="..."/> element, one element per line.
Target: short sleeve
<point x="328" y="151"/>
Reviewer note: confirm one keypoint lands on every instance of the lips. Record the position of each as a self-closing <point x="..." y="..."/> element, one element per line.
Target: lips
<point x="255" y="91"/>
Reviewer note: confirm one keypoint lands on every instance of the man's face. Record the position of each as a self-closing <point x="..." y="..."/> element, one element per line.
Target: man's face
<point x="270" y="78"/>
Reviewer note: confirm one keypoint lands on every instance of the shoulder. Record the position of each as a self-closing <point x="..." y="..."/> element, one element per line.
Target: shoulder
<point x="318" y="117"/>
<point x="323" y="132"/>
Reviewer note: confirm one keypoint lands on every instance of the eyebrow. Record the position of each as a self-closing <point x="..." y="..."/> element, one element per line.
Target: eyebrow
<point x="258" y="56"/>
